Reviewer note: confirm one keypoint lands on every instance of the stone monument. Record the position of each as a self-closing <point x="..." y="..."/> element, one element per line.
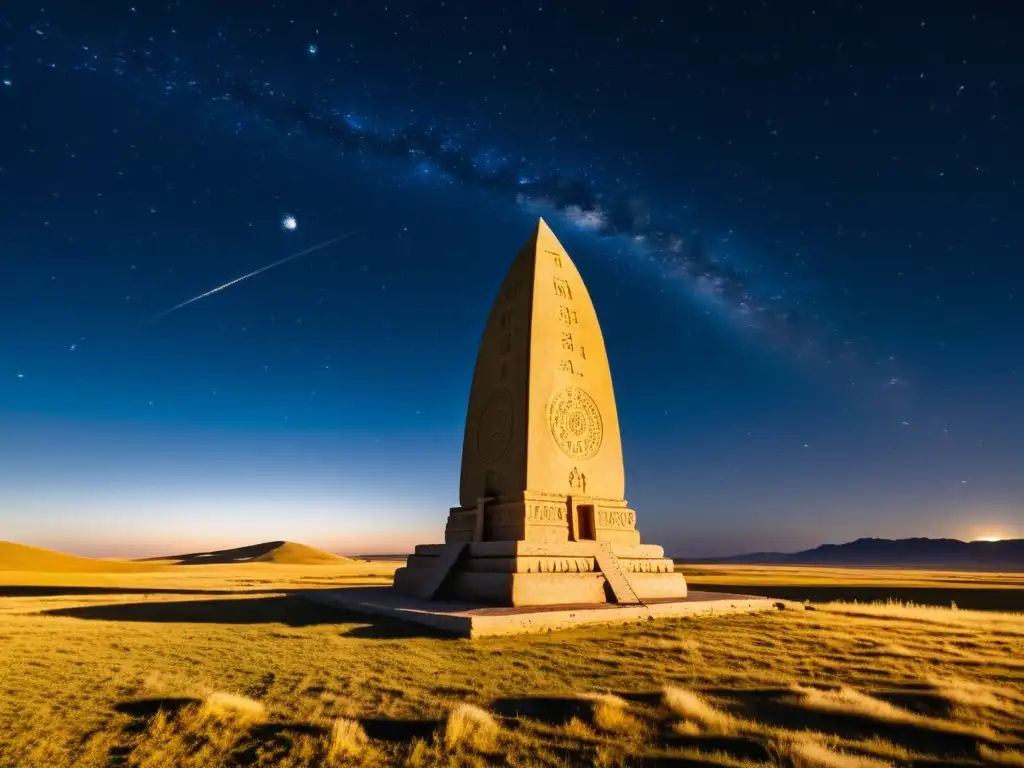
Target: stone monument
<point x="542" y="518"/>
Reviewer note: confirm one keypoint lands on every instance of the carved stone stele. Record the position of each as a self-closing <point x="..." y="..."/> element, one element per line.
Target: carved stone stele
<point x="542" y="454"/>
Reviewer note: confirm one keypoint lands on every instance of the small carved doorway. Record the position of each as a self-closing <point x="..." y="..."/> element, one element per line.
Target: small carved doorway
<point x="585" y="518"/>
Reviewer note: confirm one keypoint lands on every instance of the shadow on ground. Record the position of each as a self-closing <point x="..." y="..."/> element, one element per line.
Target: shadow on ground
<point x="543" y="719"/>
<point x="288" y="609"/>
<point x="398" y="735"/>
<point x="71" y="591"/>
<point x="969" y="598"/>
<point x="559" y="711"/>
<point x="778" y="707"/>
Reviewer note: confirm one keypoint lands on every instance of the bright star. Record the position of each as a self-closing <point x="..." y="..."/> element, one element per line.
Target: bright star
<point x="313" y="48"/>
<point x="288" y="223"/>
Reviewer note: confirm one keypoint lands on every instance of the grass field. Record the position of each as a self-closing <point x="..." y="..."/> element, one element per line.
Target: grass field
<point x="205" y="665"/>
<point x="979" y="591"/>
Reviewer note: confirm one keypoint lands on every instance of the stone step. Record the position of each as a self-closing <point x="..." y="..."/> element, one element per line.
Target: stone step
<point x="613" y="574"/>
<point x="432" y="580"/>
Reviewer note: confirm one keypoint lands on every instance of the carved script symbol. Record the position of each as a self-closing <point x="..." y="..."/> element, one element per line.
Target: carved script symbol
<point x="558" y="258"/>
<point x="567" y="341"/>
<point x="562" y="289"/>
<point x="505" y="344"/>
<point x="565" y="366"/>
<point x="566" y="315"/>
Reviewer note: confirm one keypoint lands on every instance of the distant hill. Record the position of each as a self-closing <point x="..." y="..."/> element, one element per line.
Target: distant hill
<point x="280" y="552"/>
<point x="1007" y="555"/>
<point x="20" y="557"/>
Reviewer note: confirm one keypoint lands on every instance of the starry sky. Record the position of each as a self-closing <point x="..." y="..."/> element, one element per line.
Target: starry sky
<point x="800" y="224"/>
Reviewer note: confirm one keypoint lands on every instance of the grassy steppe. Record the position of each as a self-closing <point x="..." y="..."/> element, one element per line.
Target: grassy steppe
<point x="204" y="665"/>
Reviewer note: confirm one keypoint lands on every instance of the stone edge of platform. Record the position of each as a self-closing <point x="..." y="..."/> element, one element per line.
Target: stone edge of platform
<point x="459" y="622"/>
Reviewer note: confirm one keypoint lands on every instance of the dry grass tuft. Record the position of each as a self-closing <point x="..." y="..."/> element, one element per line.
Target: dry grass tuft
<point x="348" y="739"/>
<point x="696" y="711"/>
<point x="848" y="700"/>
<point x="231" y="708"/>
<point x="470" y="726"/>
<point x="806" y="750"/>
<point x="611" y="714"/>
<point x="1001" y="756"/>
<point x="976" y="695"/>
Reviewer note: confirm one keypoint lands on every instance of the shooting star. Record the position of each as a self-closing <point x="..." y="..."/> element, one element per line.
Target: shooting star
<point x="254" y="273"/>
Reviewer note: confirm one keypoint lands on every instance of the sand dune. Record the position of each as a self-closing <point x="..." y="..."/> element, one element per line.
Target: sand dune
<point x="20" y="557"/>
<point x="280" y="552"/>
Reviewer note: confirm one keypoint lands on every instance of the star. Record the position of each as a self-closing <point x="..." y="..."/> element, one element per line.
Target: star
<point x="288" y="223"/>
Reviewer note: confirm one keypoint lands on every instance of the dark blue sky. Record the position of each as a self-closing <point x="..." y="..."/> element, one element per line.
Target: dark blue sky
<point x="800" y="224"/>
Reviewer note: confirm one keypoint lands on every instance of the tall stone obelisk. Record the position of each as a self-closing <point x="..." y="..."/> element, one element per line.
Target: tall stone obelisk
<point x="542" y="487"/>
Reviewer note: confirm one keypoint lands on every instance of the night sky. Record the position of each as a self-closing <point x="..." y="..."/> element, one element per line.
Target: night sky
<point x="801" y="225"/>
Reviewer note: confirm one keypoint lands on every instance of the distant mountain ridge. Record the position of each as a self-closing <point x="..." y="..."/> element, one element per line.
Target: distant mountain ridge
<point x="1007" y="554"/>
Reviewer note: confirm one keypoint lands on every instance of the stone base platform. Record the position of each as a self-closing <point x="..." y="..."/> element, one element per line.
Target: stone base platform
<point x="526" y="573"/>
<point x="468" y="620"/>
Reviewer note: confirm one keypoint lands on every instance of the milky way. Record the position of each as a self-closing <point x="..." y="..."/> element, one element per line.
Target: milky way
<point x="781" y="317"/>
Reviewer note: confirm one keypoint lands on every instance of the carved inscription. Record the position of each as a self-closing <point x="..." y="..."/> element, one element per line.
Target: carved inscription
<point x="575" y="423"/>
<point x="567" y="315"/>
<point x="616" y="518"/>
<point x="534" y="513"/>
<point x="545" y="513"/>
<point x="567" y="341"/>
<point x="494" y="428"/>
<point x="505" y="344"/>
<point x="566" y="366"/>
<point x="562" y="289"/>
<point x="557" y="258"/>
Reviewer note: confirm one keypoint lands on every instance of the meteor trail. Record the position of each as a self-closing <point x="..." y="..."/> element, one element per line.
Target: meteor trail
<point x="256" y="272"/>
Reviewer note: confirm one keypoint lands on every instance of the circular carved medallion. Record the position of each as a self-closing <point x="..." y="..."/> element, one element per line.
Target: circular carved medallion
<point x="494" y="427"/>
<point x="575" y="423"/>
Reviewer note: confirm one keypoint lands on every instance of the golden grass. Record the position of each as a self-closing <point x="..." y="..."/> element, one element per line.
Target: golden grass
<point x="470" y="726"/>
<point x="348" y="739"/>
<point x="222" y="665"/>
<point x="696" y="713"/>
<point x="1001" y="756"/>
<point x="228" y="707"/>
<point x="811" y="751"/>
